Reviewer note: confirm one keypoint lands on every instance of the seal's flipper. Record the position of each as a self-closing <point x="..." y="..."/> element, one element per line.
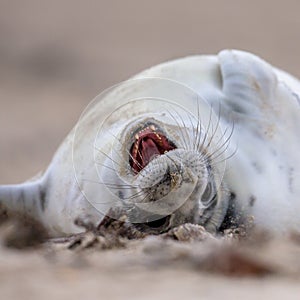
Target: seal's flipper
<point x="256" y="92"/>
<point x="29" y="198"/>
<point x="249" y="83"/>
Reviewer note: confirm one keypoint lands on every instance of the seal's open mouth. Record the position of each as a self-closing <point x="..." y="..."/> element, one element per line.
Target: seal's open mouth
<point x="149" y="142"/>
<point x="155" y="227"/>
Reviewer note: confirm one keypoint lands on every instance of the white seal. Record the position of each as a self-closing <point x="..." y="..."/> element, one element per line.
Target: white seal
<point x="211" y="140"/>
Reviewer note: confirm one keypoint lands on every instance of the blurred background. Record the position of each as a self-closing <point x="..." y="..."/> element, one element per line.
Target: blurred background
<point x="56" y="56"/>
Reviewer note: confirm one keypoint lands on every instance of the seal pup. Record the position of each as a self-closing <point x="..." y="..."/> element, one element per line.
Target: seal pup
<point x="209" y="140"/>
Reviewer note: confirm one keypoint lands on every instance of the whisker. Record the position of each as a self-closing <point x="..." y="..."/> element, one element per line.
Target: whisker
<point x="226" y="158"/>
<point x="114" y="161"/>
<point x="128" y="152"/>
<point x="136" y="195"/>
<point x="116" y="185"/>
<point x="225" y="143"/>
<point x="170" y="158"/>
<point x="143" y="199"/>
<point x="213" y="158"/>
<point x="193" y="128"/>
<point x="107" y="156"/>
<point x="185" y="130"/>
<point x="215" y="130"/>
<point x="198" y="129"/>
<point x="180" y="129"/>
<point x="201" y="146"/>
<point x="105" y="166"/>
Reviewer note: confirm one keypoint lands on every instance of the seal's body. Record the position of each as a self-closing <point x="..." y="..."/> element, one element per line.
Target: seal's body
<point x="241" y="160"/>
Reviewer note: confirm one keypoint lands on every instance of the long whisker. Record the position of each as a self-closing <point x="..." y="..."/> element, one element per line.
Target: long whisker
<point x="225" y="143"/>
<point x="179" y="127"/>
<point x="114" y="161"/>
<point x="213" y="158"/>
<point x="105" y="166"/>
<point x="215" y="130"/>
<point x="198" y="128"/>
<point x="226" y="158"/>
<point x="106" y="155"/>
<point x="170" y="158"/>
<point x="201" y="146"/>
<point x="194" y="131"/>
<point x="142" y="200"/>
<point x="185" y="130"/>
<point x="128" y="152"/>
<point x="134" y="196"/>
<point x="110" y="184"/>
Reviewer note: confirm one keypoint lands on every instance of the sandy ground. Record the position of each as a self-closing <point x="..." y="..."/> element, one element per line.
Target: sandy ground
<point x="55" y="57"/>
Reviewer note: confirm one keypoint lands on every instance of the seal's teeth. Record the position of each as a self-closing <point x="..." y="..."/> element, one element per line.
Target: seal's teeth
<point x="158" y="136"/>
<point x="136" y="136"/>
<point x="152" y="127"/>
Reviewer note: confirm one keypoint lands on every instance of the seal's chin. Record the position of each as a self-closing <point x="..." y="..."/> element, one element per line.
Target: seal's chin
<point x="149" y="143"/>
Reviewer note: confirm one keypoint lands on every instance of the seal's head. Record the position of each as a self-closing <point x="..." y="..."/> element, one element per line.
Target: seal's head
<point x="166" y="174"/>
<point x="160" y="161"/>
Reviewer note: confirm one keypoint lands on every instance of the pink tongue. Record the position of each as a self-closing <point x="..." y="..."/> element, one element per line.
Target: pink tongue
<point x="149" y="149"/>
